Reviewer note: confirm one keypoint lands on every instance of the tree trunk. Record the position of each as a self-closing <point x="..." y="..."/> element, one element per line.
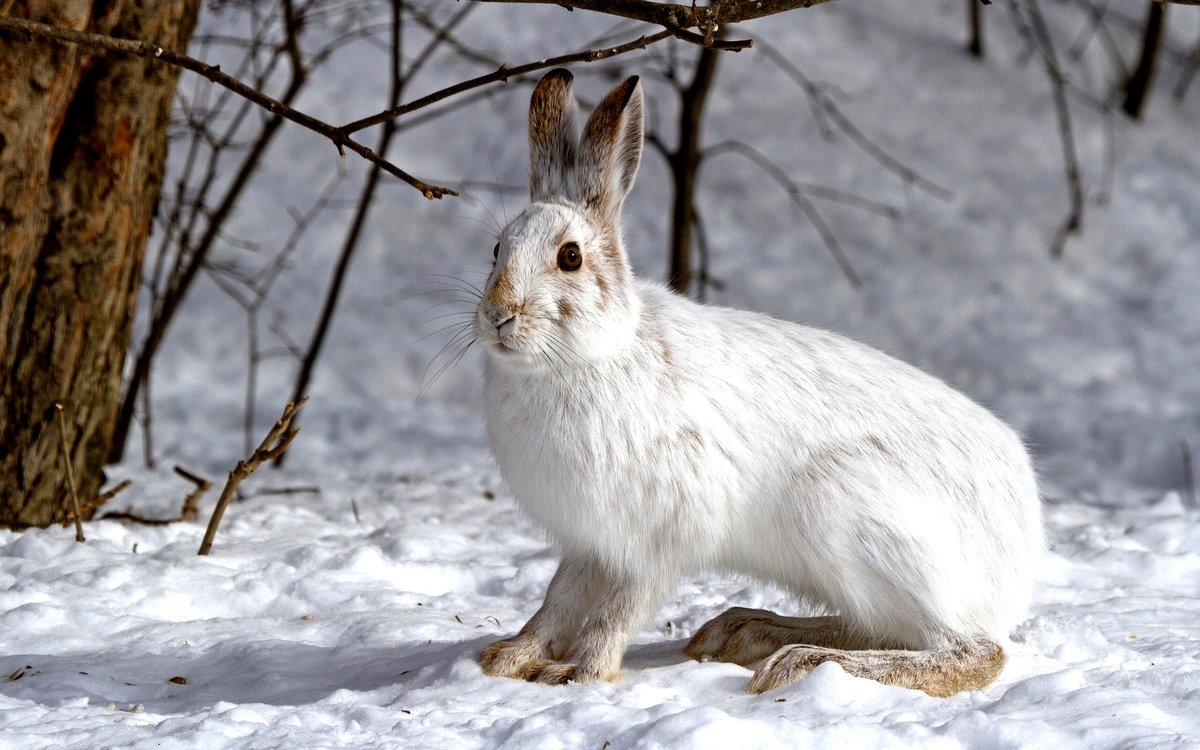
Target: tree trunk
<point x="82" y="149"/>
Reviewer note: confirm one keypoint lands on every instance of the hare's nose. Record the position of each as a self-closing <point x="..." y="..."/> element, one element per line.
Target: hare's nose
<point x="506" y="327"/>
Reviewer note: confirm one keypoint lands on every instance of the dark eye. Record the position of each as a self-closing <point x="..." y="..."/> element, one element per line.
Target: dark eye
<point x="569" y="257"/>
<point x="496" y="251"/>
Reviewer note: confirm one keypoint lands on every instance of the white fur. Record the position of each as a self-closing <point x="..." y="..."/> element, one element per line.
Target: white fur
<point x="652" y="436"/>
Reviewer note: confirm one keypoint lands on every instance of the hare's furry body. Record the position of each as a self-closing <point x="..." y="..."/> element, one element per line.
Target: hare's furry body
<point x="653" y="437"/>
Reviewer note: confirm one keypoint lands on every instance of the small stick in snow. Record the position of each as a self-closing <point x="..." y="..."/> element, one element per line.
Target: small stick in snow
<point x="92" y="505"/>
<point x="300" y="490"/>
<point x="129" y="515"/>
<point x="66" y="454"/>
<point x="191" y="503"/>
<point x="273" y="445"/>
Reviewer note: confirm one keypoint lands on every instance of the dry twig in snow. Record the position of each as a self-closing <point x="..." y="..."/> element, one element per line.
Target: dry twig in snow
<point x="191" y="503"/>
<point x="66" y="454"/>
<point x="272" y="446"/>
<point x="92" y="505"/>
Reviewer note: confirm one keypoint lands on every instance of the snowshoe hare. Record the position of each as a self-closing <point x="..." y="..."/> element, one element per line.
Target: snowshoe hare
<point x="652" y="437"/>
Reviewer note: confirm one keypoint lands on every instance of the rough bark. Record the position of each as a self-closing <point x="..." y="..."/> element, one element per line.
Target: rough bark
<point x="82" y="149"/>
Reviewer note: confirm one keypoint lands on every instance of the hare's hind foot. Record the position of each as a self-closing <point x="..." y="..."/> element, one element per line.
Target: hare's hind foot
<point x="940" y="673"/>
<point x="744" y="636"/>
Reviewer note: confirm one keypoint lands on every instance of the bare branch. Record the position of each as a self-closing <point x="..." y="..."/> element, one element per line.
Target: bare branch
<point x="503" y="73"/>
<point x="799" y="198"/>
<point x="191" y="503"/>
<point x="1040" y="35"/>
<point x="66" y="455"/>
<point x="272" y="446"/>
<point x="339" y="136"/>
<point x="822" y="102"/>
<point x="130" y="516"/>
<point x="366" y="197"/>
<point x="685" y="162"/>
<point x="678" y="17"/>
<point x="807" y="188"/>
<point x="96" y="502"/>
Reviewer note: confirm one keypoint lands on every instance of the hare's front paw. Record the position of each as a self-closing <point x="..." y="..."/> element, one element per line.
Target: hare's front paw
<point x="739" y="635"/>
<point x="560" y="673"/>
<point x="518" y="658"/>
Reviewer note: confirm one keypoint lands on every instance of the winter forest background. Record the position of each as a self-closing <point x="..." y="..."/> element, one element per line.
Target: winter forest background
<point x="1015" y="219"/>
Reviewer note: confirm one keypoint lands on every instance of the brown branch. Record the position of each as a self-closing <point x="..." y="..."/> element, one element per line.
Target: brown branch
<point x="678" y="17"/>
<point x="92" y="505"/>
<point x="503" y="73"/>
<point x="191" y="503"/>
<point x="272" y="446"/>
<point x="307" y="489"/>
<point x="128" y="515"/>
<point x="66" y="455"/>
<point x="189" y="512"/>
<point x="339" y="136"/>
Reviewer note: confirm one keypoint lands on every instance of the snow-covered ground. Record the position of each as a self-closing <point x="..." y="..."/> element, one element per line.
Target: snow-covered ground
<point x="351" y="616"/>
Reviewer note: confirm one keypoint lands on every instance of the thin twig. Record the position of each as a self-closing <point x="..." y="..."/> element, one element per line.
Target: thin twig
<point x="191" y="503"/>
<point x="128" y="515"/>
<point x="503" y="73"/>
<point x="678" y="17"/>
<point x="66" y="455"/>
<point x="274" y="444"/>
<point x="823" y="102"/>
<point x="1040" y="36"/>
<point x="107" y="495"/>
<point x="298" y="490"/>
<point x="797" y="194"/>
<point x="99" y="500"/>
<point x="366" y="196"/>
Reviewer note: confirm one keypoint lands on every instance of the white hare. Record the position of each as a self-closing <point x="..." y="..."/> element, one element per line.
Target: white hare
<point x="653" y="437"/>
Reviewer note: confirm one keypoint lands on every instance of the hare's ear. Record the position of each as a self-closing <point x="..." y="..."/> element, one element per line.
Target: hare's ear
<point x="611" y="149"/>
<point x="552" y="137"/>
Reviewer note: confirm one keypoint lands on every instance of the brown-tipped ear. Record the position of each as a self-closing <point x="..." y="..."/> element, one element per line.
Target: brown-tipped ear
<point x="552" y="136"/>
<point x="611" y="149"/>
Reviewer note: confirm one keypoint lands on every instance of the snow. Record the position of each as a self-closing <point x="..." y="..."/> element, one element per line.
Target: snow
<point x="352" y="616"/>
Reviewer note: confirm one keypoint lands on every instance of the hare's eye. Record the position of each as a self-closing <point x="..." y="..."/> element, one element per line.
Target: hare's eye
<point x="569" y="257"/>
<point x="496" y="251"/>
